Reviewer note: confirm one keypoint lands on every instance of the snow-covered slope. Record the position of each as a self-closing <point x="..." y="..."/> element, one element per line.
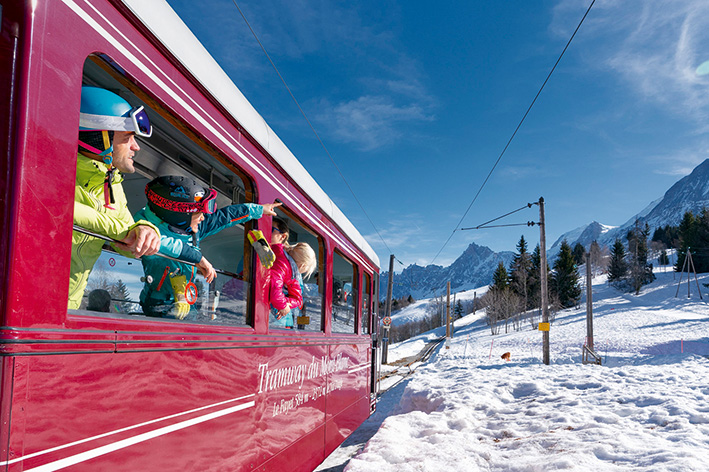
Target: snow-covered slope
<point x="645" y="408"/>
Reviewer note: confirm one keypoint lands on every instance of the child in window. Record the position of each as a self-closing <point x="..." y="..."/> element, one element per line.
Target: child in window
<point x="286" y="284"/>
<point x="184" y="212"/>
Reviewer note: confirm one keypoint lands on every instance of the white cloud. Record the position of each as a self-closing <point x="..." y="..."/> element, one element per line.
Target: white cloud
<point x="370" y="121"/>
<point x="681" y="162"/>
<point x="654" y="47"/>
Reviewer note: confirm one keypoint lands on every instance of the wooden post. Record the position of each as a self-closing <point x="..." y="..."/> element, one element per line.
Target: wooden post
<point x="691" y="261"/>
<point x="589" y="303"/>
<point x="543" y="280"/>
<point x="448" y="316"/>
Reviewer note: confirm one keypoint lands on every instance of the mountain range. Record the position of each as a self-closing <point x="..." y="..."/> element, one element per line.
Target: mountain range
<point x="474" y="268"/>
<point x="690" y="193"/>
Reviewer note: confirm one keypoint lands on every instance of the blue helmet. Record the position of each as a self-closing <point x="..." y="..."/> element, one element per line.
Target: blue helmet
<point x="100" y="102"/>
<point x="103" y="112"/>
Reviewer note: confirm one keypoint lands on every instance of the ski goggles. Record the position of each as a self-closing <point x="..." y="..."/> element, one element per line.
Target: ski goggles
<point x="137" y="121"/>
<point x="208" y="203"/>
<point x="204" y="204"/>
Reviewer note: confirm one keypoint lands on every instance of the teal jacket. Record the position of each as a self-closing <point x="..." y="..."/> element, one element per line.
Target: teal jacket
<point x="90" y="213"/>
<point x="157" y="295"/>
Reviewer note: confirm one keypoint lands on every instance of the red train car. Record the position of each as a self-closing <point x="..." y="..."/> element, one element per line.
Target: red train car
<point x="117" y="390"/>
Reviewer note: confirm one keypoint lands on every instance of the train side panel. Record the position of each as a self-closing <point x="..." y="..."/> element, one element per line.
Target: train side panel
<point x="92" y="393"/>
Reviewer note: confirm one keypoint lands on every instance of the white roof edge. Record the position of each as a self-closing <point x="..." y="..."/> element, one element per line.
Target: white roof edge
<point x="168" y="27"/>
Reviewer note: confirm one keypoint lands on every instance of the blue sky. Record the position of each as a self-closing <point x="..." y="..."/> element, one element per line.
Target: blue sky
<point x="415" y="101"/>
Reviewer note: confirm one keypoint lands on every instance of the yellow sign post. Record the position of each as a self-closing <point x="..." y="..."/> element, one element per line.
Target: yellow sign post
<point x="543" y="327"/>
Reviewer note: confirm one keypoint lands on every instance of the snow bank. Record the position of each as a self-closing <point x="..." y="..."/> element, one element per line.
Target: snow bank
<point x="645" y="408"/>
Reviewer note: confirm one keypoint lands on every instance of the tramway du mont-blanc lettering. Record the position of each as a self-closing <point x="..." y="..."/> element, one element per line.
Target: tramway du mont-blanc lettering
<point x="271" y="380"/>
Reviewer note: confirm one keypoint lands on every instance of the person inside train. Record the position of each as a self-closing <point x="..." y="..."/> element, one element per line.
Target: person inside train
<point x="286" y="281"/>
<point x="107" y="145"/>
<point x="185" y="212"/>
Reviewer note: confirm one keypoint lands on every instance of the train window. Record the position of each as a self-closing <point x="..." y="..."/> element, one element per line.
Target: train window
<point x="344" y="295"/>
<point x="366" y="304"/>
<point x="310" y="316"/>
<point x="107" y="281"/>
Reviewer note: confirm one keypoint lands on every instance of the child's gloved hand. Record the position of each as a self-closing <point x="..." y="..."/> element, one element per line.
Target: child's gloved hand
<point x="262" y="248"/>
<point x="180" y="308"/>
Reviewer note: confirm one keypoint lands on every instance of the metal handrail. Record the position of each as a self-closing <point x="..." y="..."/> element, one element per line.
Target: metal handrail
<point x="87" y="232"/>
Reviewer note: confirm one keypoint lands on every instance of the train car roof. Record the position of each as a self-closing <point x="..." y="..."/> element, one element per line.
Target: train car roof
<point x="168" y="27"/>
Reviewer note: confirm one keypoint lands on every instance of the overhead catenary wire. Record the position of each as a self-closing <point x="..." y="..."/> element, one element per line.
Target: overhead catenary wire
<point x="528" y="223"/>
<point x="312" y="127"/>
<point x="519" y="125"/>
<point x="484" y="225"/>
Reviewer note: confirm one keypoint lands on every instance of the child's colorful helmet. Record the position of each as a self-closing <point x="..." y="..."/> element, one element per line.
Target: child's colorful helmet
<point x="174" y="198"/>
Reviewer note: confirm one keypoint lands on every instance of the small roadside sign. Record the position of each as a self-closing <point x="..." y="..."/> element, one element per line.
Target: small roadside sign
<point x="386" y="321"/>
<point x="543" y="327"/>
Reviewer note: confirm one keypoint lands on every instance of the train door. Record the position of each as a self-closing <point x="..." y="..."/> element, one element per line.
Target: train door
<point x="376" y="350"/>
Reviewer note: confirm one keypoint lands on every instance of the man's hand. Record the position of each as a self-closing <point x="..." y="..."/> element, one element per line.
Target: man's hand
<point x="206" y="269"/>
<point x="141" y="241"/>
<point x="269" y="207"/>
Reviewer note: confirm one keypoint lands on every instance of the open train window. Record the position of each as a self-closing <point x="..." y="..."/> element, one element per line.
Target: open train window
<point x="344" y="295"/>
<point x="119" y="286"/>
<point x="310" y="316"/>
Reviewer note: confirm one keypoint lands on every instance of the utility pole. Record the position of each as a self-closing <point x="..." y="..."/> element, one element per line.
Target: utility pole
<point x="543" y="280"/>
<point x="448" y="317"/>
<point x="589" y="303"/>
<point x="390" y="288"/>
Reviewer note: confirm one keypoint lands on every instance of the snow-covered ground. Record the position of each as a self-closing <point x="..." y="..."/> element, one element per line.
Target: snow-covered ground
<point x="646" y="408"/>
<point x="420" y="308"/>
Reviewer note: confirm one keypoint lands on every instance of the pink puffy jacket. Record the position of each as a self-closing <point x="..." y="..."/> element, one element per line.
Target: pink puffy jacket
<point x="282" y="277"/>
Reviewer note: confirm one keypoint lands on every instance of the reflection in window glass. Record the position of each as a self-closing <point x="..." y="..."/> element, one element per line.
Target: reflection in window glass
<point x="344" y="295"/>
<point x="366" y="304"/>
<point x="116" y="282"/>
<point x="309" y="316"/>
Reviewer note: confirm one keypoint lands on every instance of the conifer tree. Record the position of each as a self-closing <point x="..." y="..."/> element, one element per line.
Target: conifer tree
<point x="700" y="256"/>
<point x="500" y="279"/>
<point x="579" y="253"/>
<point x="640" y="269"/>
<point x="520" y="273"/>
<point x="534" y="284"/>
<point x="687" y="237"/>
<point x="618" y="267"/>
<point x="458" y="310"/>
<point x="119" y="291"/>
<point x="565" y="278"/>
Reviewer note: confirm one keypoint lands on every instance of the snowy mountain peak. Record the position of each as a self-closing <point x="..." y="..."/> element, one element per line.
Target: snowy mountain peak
<point x="690" y="193"/>
<point x="473" y="268"/>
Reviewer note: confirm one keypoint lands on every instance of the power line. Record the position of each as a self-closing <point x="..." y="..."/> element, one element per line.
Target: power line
<point x="484" y="225"/>
<point x="515" y="132"/>
<point x="313" y="128"/>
